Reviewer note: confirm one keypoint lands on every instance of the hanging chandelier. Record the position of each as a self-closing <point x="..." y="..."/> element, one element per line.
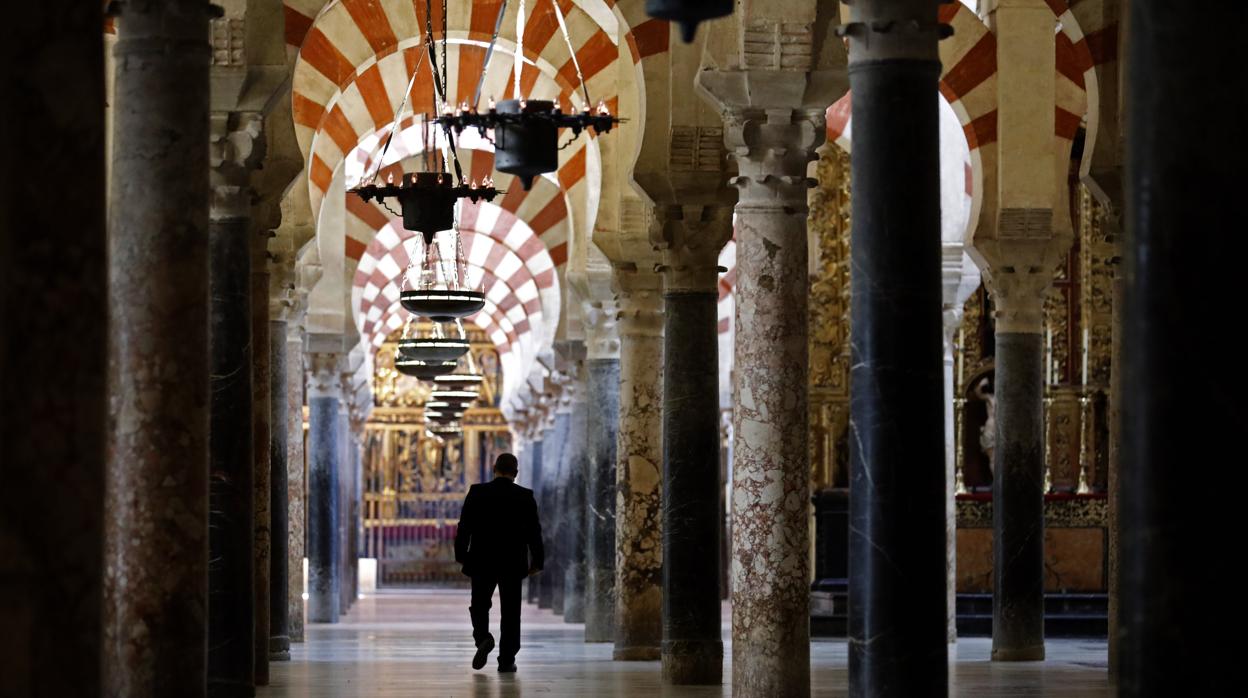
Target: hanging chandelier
<point x="422" y="370"/>
<point x="446" y="431"/>
<point x="460" y="398"/>
<point x="429" y="202"/>
<point x="526" y="132"/>
<point x="688" y="13"/>
<point x="432" y="346"/>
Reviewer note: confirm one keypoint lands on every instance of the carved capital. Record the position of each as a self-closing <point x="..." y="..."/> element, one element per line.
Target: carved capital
<point x="236" y="151"/>
<point x="602" y="338"/>
<point x="325" y="372"/>
<point x="639" y="297"/>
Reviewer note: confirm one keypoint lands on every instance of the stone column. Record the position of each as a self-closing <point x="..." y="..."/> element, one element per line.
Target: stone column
<point x="574" y="466"/>
<point x="898" y="516"/>
<point x="602" y="422"/>
<point x="1182" y="612"/>
<point x="279" y="514"/>
<point x="639" y="453"/>
<point x="261" y="433"/>
<point x="773" y="143"/>
<point x="324" y="452"/>
<point x="343" y="496"/>
<point x="693" y="649"/>
<point x="54" y="355"/>
<point x="231" y="572"/>
<point x="295" y="481"/>
<point x="557" y="554"/>
<point x="534" y="449"/>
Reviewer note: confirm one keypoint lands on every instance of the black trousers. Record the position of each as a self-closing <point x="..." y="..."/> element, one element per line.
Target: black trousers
<point x="509" y="601"/>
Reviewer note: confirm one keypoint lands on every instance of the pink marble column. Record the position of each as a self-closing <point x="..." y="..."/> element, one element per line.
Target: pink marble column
<point x="639" y="481"/>
<point x="773" y="144"/>
<point x="295" y="469"/>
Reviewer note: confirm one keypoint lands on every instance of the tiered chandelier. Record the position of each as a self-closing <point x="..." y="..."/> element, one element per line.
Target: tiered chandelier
<point x="526" y="132"/>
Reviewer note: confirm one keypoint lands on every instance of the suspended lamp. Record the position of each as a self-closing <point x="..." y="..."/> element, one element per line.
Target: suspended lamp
<point x="446" y="431"/>
<point x="688" y="13"/>
<point x="427" y="199"/>
<point x="526" y="132"/>
<point x="421" y="369"/>
<point x="455" y="397"/>
<point x="432" y="346"/>
<point x="458" y="381"/>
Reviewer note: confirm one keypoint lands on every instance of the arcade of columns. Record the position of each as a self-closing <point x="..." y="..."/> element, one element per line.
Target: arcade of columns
<point x="156" y="488"/>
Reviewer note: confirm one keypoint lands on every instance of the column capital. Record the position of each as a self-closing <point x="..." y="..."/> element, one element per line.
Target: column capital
<point x="639" y="297"/>
<point x="1017" y="273"/>
<point x="602" y="337"/>
<point x="691" y="237"/>
<point x="773" y="146"/>
<point x="236" y="149"/>
<point x="325" y="371"/>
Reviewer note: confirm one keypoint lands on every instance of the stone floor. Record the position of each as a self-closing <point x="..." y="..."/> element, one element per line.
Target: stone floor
<point x="418" y="643"/>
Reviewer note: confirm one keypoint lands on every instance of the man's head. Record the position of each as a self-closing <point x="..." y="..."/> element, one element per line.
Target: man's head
<point x="506" y="465"/>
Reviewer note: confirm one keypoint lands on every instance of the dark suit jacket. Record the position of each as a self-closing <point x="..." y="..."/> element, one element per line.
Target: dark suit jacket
<point x="499" y="533"/>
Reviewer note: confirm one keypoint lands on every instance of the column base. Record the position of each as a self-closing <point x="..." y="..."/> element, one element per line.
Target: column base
<point x="693" y="663"/>
<point x="636" y="654"/>
<point x="1021" y="654"/>
<point x="279" y="648"/>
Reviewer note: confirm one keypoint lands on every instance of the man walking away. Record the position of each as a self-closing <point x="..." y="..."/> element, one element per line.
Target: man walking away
<point x="499" y="543"/>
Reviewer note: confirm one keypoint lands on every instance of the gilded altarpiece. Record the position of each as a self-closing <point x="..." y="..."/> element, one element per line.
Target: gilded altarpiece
<point x="1078" y="311"/>
<point x="414" y="481"/>
<point x="829" y="226"/>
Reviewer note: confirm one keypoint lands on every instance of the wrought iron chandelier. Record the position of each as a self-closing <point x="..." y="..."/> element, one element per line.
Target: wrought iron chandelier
<point x="431" y="345"/>
<point x="526" y="132"/>
<point x="422" y="370"/>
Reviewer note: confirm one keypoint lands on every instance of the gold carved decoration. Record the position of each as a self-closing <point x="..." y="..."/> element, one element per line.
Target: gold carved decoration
<point x="829" y="226"/>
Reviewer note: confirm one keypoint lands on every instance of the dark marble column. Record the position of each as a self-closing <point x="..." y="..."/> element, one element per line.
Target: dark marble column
<point x="574" y="467"/>
<point x="324" y="452"/>
<point x="231" y="571"/>
<point x="602" y="420"/>
<point x="343" y="494"/>
<point x="693" y="649"/>
<point x="54" y="352"/>
<point x="260" y="429"/>
<point x="897" y="562"/>
<point x="1018" y="499"/>
<point x="533" y="454"/>
<point x="1183" y="406"/>
<point x="638" y="480"/>
<point x="279" y="583"/>
<point x="556" y="554"/>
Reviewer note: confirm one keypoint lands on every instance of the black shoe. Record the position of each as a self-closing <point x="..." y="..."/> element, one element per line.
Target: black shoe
<point x="507" y="667"/>
<point x="483" y="653"/>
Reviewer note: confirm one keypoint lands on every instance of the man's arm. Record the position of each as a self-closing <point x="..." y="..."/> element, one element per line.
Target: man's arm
<point x="537" y="554"/>
<point x="463" y="533"/>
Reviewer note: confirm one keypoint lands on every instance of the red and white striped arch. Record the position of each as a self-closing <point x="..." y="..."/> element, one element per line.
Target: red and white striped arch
<point x="357" y="57"/>
<point x="513" y="316"/>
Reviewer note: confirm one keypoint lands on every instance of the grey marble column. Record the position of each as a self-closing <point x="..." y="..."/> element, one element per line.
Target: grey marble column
<point x="533" y="453"/>
<point x="602" y="421"/>
<point x="295" y="480"/>
<point x="693" y="649"/>
<point x="898" y="572"/>
<point x="343" y="496"/>
<point x="279" y="582"/>
<point x="54" y="353"/>
<point x="575" y="464"/>
<point x="556" y="512"/>
<point x="324" y="454"/>
<point x="601" y="426"/>
<point x="1184" y="385"/>
<point x="639" y="457"/>
<point x="232" y="568"/>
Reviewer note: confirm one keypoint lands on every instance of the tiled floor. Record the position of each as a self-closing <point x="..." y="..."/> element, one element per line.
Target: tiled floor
<point x="418" y="643"/>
